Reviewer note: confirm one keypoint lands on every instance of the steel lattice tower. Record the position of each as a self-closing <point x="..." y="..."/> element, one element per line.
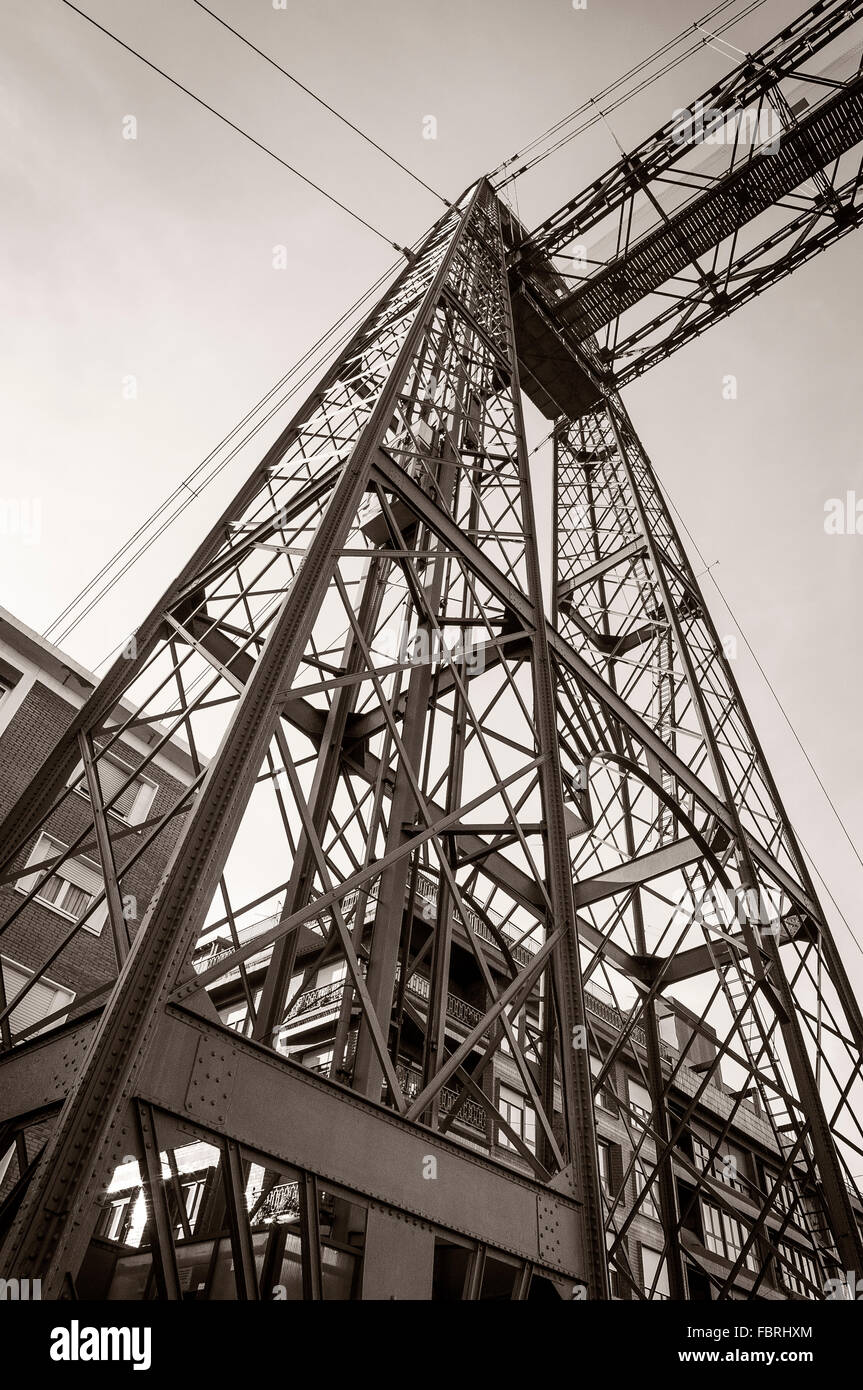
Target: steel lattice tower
<point x="409" y="763"/>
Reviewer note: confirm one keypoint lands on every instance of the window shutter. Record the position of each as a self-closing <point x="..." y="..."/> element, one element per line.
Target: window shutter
<point x="615" y="1168"/>
<point x="111" y="777"/>
<point x="83" y="874"/>
<point x="42" y="850"/>
<point x="639" y="1096"/>
<point x="37" y="1004"/>
<point x="113" y="772"/>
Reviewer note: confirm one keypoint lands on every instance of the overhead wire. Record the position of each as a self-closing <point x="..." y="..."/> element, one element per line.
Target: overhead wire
<point x="239" y="129"/>
<point x="634" y="72"/>
<point x="592" y="103"/>
<point x="185" y="484"/>
<point x="783" y="712"/>
<point x="321" y="102"/>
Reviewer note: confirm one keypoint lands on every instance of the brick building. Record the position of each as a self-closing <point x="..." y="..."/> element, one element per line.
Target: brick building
<point x="63" y="928"/>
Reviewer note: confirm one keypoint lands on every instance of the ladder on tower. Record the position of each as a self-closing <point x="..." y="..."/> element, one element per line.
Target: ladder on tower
<point x="662" y="652"/>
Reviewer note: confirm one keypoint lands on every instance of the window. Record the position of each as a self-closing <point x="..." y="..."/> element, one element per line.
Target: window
<point x="519" y="1116"/>
<point x="605" y="1166"/>
<point x="647" y="1205"/>
<point x="785" y="1198"/>
<point x="654" y="1273"/>
<point x="72" y="890"/>
<point x="9" y="678"/>
<point x="44" y="999"/>
<point x="133" y="802"/>
<point x="332" y="974"/>
<point x="321" y="1060"/>
<point x="639" y="1100"/>
<point x="191" y="1192"/>
<point x="236" y="1016"/>
<point x="803" y="1277"/>
<point x="116" y="1218"/>
<point x="723" y="1165"/>
<point x="604" y="1097"/>
<point x="724" y="1235"/>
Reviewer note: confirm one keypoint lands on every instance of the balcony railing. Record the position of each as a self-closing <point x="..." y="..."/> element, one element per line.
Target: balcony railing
<point x="471" y="1113"/>
<point x="618" y="1021"/>
<point x="312" y="1000"/>
<point x="327" y="997"/>
<point x="281" y="1204"/>
<point x="456" y="1008"/>
<point x="427" y="889"/>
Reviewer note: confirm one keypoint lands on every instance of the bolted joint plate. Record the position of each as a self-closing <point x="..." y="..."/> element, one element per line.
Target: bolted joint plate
<point x="560" y="1234"/>
<point x="212" y="1081"/>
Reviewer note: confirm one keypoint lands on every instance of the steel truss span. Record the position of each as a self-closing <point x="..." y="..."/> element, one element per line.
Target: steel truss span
<point x="758" y="175"/>
<point x="483" y="962"/>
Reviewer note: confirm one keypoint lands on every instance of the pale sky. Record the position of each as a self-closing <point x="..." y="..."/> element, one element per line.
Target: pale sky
<point x="152" y="259"/>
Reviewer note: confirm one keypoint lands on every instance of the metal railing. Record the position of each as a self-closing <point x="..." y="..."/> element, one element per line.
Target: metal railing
<point x="322" y="997"/>
<point x="281" y="1204"/>
<point x="456" y="1008"/>
<point x="427" y="891"/>
<point x="471" y="1113"/>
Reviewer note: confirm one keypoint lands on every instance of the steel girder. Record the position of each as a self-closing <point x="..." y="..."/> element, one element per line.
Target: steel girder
<point x="321" y="585"/>
<point x="733" y="951"/>
<point x="760" y="174"/>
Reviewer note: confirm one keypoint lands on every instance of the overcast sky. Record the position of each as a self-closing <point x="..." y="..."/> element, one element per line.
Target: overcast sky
<point x="143" y="314"/>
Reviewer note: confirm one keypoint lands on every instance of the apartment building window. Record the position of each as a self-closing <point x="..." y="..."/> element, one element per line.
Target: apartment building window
<point x="785" y="1198"/>
<point x="9" y="678"/>
<point x="722" y="1164"/>
<point x="654" y="1273"/>
<point x="116" y="1220"/>
<point x="236" y="1016"/>
<point x="640" y="1103"/>
<point x="647" y="1204"/>
<point x="320" y="1060"/>
<point x="133" y="802"/>
<point x="803" y="1278"/>
<point x="605" y="1166"/>
<point x="519" y="1116"/>
<point x="604" y="1096"/>
<point x="192" y="1193"/>
<point x="330" y="975"/>
<point x="724" y="1235"/>
<point x="44" y="999"/>
<point x="71" y="890"/>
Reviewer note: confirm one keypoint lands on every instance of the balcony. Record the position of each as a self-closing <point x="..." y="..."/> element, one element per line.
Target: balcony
<point x="427" y="890"/>
<point x="327" y="998"/>
<point x="324" y="999"/>
<point x="471" y="1114"/>
<point x="456" y="1008"/>
<point x="213" y="951"/>
<point x="607" y="1011"/>
<point x="280" y="1206"/>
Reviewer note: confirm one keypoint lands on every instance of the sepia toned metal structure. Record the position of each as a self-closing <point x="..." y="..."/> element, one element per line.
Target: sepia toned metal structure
<point x="405" y="772"/>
